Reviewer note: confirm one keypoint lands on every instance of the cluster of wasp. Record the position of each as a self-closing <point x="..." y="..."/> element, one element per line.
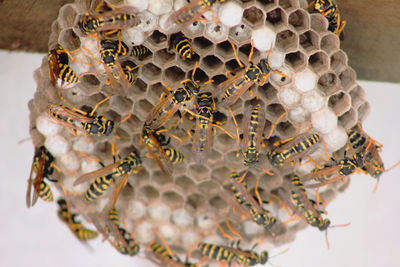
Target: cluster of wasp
<point x="105" y="25"/>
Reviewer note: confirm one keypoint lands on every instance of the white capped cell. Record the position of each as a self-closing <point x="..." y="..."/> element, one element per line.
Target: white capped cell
<point x="204" y="222"/>
<point x="299" y="114"/>
<point x="305" y="80"/>
<point x="252" y="229"/>
<point x="89" y="166"/>
<point x="79" y="58"/>
<point x="304" y="167"/>
<point x="144" y="233"/>
<point x="46" y="125"/>
<point x="335" y="139"/>
<point x="159" y="7"/>
<point x="136" y="210"/>
<point x="169" y="233"/>
<point x="276" y="58"/>
<point x="69" y="161"/>
<point x="278" y="78"/>
<point x="230" y="14"/>
<point x="178" y="4"/>
<point x="213" y="239"/>
<point x="56" y="144"/>
<point x="324" y="120"/>
<point x="288" y="96"/>
<point x="132" y="35"/>
<point x="182" y="218"/>
<point x="82" y="144"/>
<point x="168" y="26"/>
<point x="216" y="32"/>
<point x="159" y="212"/>
<point x="313" y="101"/>
<point x="188" y="238"/>
<point x="263" y="38"/>
<point x="139" y="5"/>
<point x="148" y="20"/>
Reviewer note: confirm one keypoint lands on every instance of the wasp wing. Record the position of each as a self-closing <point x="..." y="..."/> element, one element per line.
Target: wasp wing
<point x="93" y="175"/>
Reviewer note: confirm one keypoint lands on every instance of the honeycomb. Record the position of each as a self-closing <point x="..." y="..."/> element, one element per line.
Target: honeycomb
<point x="320" y="92"/>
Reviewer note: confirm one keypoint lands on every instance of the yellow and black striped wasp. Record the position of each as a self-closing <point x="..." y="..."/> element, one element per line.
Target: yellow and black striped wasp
<point x="131" y="247"/>
<point x="65" y="215"/>
<point x="140" y="51"/>
<point x="106" y="175"/>
<point x="183" y="46"/>
<point x="191" y="12"/>
<point x="311" y="214"/>
<point x="330" y="11"/>
<point x="163" y="111"/>
<point x="169" y="260"/>
<point x="128" y="67"/>
<point x="292" y="149"/>
<point x="234" y="87"/>
<point x="253" y="127"/>
<point x="258" y="214"/>
<point x="229" y="253"/>
<point x="42" y="167"/>
<point x="77" y="119"/>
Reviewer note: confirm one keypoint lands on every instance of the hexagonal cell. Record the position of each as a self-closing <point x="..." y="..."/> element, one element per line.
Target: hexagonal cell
<point x="224" y="142"/>
<point x="173" y="75"/>
<point x="286" y="41"/>
<point x="150" y="72"/>
<point x="288" y="3"/>
<point x="347" y="78"/>
<point x="200" y="75"/>
<point x="296" y="61"/>
<point x="139" y="87"/>
<point x="111" y="115"/>
<point x="142" y="108"/>
<point x="286" y="129"/>
<point x="232" y="66"/>
<point x="217" y="202"/>
<point x="221" y="174"/>
<point x="216" y="32"/>
<point x="89" y="84"/>
<point x="328" y="83"/>
<point x="357" y="96"/>
<point x="69" y="40"/>
<point x="318" y="24"/>
<point x="348" y="119"/>
<point x="265" y="4"/>
<point x="133" y="123"/>
<point x="202" y="45"/>
<point x="155" y="91"/>
<point x="172" y="199"/>
<point x="195" y="201"/>
<point x="329" y="43"/>
<point x="194" y="29"/>
<point x="121" y="104"/>
<point x="208" y="188"/>
<point x="66" y="17"/>
<point x="224" y="50"/>
<point x="124" y="137"/>
<point x="212" y="63"/>
<point x="161" y="179"/>
<point x="253" y="16"/>
<point x="198" y="172"/>
<point x="276" y="18"/>
<point x="309" y="41"/>
<point x="363" y="111"/>
<point x="185" y="183"/>
<point x="299" y="20"/>
<point x="275" y="110"/>
<point x="319" y="62"/>
<point x="157" y="39"/>
<point x="240" y="34"/>
<point x="267" y="92"/>
<point x="339" y="103"/>
<point x="163" y="58"/>
<point x="149" y="192"/>
<point x="338" y="61"/>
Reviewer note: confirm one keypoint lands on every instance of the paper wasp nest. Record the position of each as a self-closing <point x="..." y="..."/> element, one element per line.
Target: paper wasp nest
<point x="320" y="92"/>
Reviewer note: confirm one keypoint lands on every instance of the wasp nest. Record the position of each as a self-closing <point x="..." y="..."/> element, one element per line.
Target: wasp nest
<point x="317" y="91"/>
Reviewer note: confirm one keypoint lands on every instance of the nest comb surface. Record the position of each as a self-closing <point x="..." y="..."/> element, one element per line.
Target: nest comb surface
<point x="180" y="206"/>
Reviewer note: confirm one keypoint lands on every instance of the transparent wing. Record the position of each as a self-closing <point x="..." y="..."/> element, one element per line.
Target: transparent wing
<point x="93" y="175"/>
<point x="224" y="85"/>
<point x="234" y="97"/>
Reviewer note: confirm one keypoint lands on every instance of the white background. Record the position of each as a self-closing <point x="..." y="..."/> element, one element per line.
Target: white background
<point x="36" y="237"/>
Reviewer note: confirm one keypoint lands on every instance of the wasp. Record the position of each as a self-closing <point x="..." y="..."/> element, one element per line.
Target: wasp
<point x="228" y="254"/>
<point x="373" y="163"/>
<point x="191" y="12"/>
<point x="299" y="196"/>
<point x="292" y="149"/>
<point x="258" y="214"/>
<point x="140" y="51"/>
<point x="104" y="176"/>
<point x="183" y="46"/>
<point x="163" y="111"/>
<point x="90" y="124"/>
<point x="59" y="68"/>
<point x="253" y="127"/>
<point x="131" y="248"/>
<point x="235" y="86"/>
<point x="330" y="11"/>
<point x="42" y="167"/>
<point x="163" y="254"/>
<point x="82" y="233"/>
